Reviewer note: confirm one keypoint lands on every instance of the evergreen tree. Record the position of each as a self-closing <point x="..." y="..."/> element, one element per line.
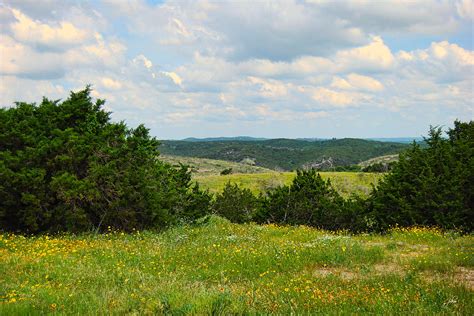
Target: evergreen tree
<point x="309" y="200"/>
<point x="236" y="204"/>
<point x="66" y="166"/>
<point x="432" y="185"/>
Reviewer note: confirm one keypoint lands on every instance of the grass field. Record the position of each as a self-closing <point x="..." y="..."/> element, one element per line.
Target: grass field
<point x="207" y="173"/>
<point x="203" y="166"/>
<point x="221" y="268"/>
<point x="381" y="159"/>
<point x="344" y="182"/>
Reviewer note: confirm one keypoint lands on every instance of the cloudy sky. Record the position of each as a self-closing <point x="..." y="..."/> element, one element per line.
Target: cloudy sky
<point x="311" y="68"/>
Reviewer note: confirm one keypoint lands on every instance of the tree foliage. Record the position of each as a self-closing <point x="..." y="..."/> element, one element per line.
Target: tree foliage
<point x="432" y="185"/>
<point x="66" y="166"/>
<point x="236" y="204"/>
<point x="308" y="200"/>
<point x="379" y="167"/>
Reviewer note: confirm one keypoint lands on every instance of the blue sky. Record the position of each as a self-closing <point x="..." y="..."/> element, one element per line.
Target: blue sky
<point x="266" y="69"/>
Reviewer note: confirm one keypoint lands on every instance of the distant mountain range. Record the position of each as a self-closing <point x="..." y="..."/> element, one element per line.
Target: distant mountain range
<point x="284" y="154"/>
<point x="403" y="140"/>
<point x="220" y="139"/>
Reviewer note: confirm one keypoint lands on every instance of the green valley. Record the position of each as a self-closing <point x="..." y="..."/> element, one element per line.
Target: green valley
<point x="285" y="154"/>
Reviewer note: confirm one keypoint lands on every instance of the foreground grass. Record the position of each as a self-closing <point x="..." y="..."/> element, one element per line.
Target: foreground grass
<point x="345" y="183"/>
<point x="223" y="268"/>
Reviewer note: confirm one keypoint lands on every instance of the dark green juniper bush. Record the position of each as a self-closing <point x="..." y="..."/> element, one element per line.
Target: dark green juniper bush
<point x="66" y="166"/>
<point x="432" y="185"/>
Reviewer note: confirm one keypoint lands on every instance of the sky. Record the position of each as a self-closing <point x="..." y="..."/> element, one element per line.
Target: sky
<point x="270" y="69"/>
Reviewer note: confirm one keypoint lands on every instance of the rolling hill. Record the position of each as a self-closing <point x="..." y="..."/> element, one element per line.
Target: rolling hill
<point x="382" y="159"/>
<point x="285" y="154"/>
<point x="204" y="166"/>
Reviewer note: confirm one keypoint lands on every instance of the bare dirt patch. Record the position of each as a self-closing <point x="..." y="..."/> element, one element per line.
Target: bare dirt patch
<point x="343" y="274"/>
<point x="389" y="268"/>
<point x="465" y="276"/>
<point x="379" y="269"/>
<point x="461" y="275"/>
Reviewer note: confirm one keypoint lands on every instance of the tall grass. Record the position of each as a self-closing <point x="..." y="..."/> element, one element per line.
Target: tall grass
<point x="219" y="268"/>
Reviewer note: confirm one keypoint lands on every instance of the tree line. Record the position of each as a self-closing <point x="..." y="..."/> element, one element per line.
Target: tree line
<point x="65" y="166"/>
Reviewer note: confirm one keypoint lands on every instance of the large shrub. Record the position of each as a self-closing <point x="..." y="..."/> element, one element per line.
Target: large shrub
<point x="309" y="200"/>
<point x="66" y="166"/>
<point x="236" y="204"/>
<point x="433" y="185"/>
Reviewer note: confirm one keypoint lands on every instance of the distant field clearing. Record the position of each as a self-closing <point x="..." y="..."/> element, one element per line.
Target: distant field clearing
<point x="345" y="183"/>
<point x="381" y="159"/>
<point x="203" y="166"/>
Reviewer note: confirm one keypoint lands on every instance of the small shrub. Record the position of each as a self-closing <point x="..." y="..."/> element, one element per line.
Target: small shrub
<point x="226" y="171"/>
<point x="379" y="167"/>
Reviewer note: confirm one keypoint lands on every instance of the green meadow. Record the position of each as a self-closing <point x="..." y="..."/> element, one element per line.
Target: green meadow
<point x="345" y="183"/>
<point x="69" y="168"/>
<point x="219" y="268"/>
<point x="258" y="179"/>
